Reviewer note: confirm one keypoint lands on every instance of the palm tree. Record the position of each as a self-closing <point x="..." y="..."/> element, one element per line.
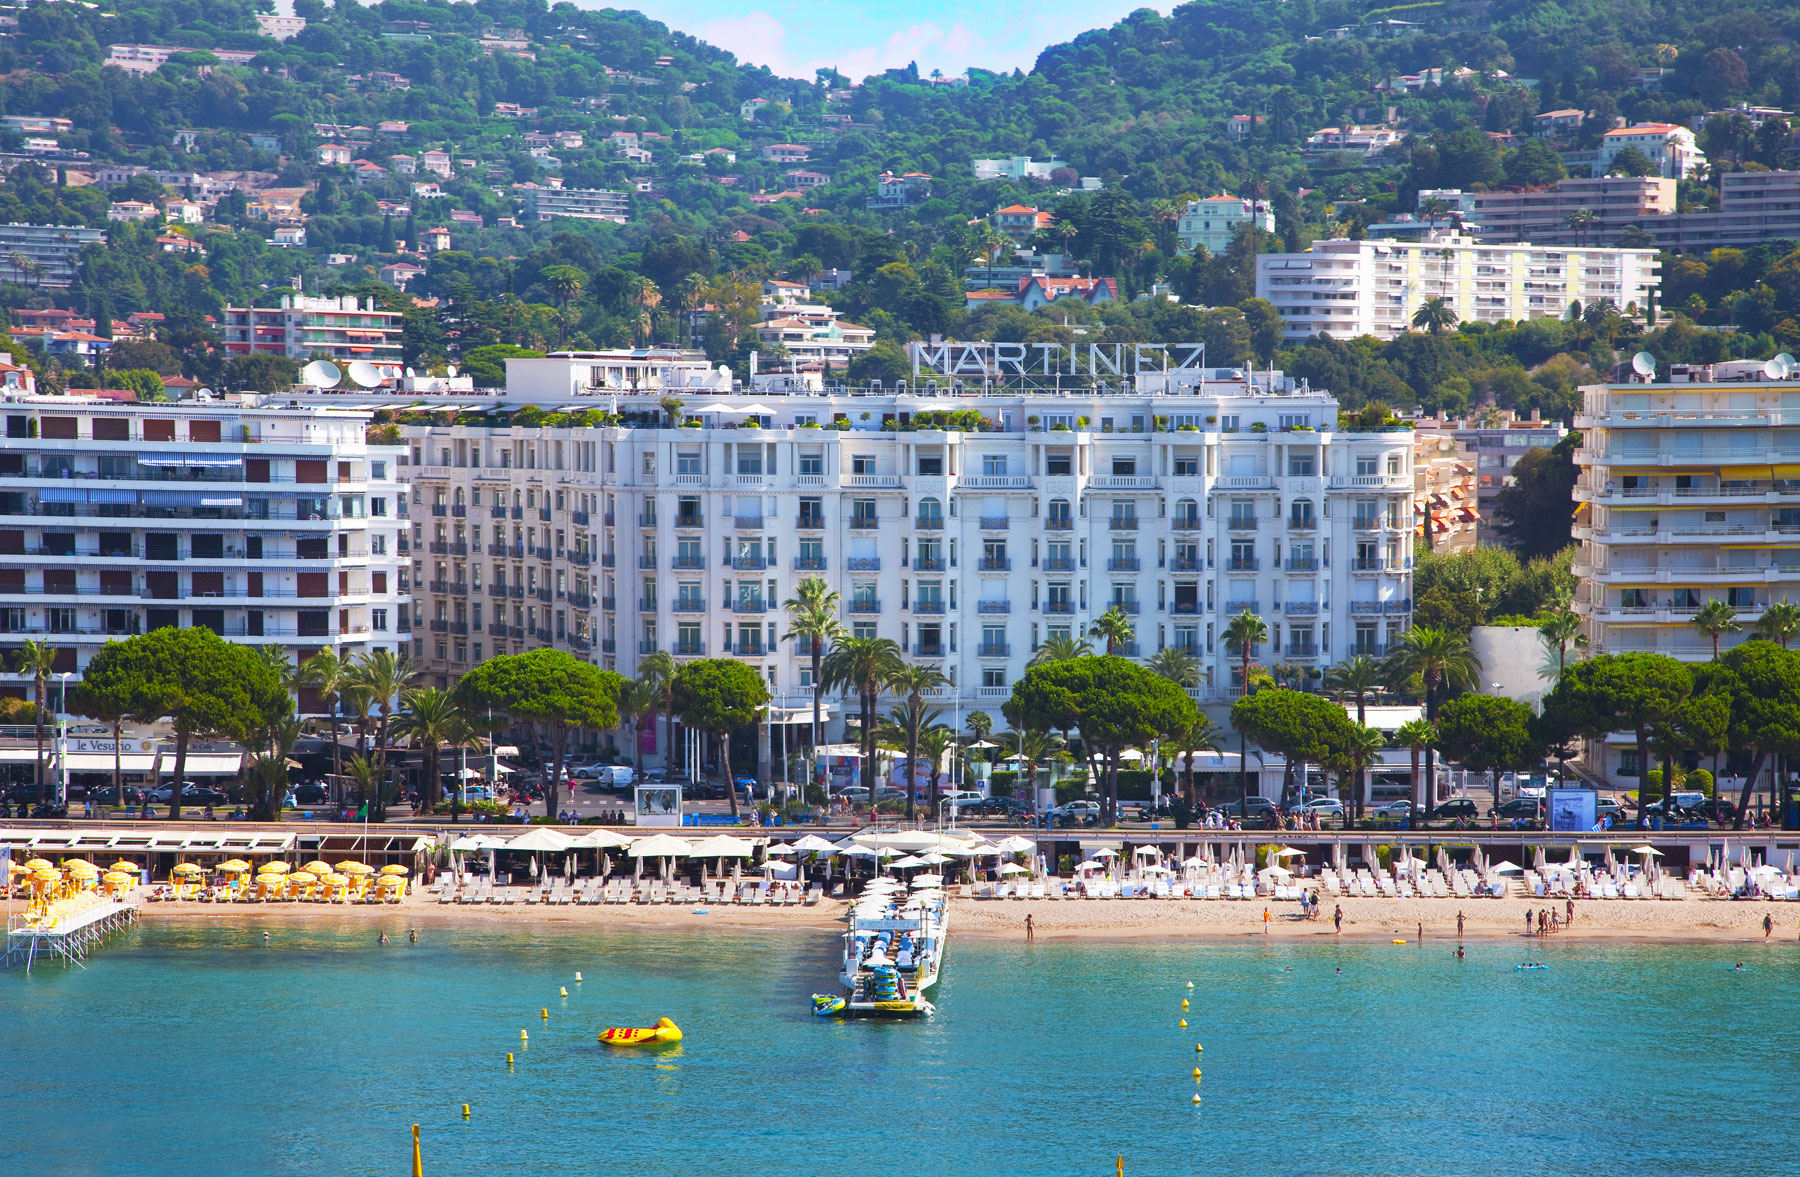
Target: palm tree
<point x="1035" y="746"/>
<point x="1561" y="634"/>
<point x="328" y="674"/>
<point x="913" y="681"/>
<point x="1715" y="620"/>
<point x="658" y="669"/>
<point x="269" y="766"/>
<point x="1581" y="220"/>
<point x="637" y="699"/>
<point x="1358" y="678"/>
<point x="862" y="665"/>
<point x="1245" y="631"/>
<point x="1434" y="316"/>
<point x="107" y="709"/>
<point x="1175" y="664"/>
<point x="1058" y="648"/>
<point x="813" y="618"/>
<point x="1351" y="760"/>
<point x="36" y="659"/>
<point x="1417" y="735"/>
<point x="365" y="774"/>
<point x="564" y="282"/>
<point x="1113" y="627"/>
<point x="1202" y="735"/>
<point x="430" y="721"/>
<point x="1441" y="661"/>
<point x="1780" y="622"/>
<point x="384" y="676"/>
<point x="979" y="723"/>
<point x="934" y="741"/>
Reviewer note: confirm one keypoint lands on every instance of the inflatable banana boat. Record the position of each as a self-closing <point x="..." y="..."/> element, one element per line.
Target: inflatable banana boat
<point x="663" y="1033"/>
<point x="827" y="1004"/>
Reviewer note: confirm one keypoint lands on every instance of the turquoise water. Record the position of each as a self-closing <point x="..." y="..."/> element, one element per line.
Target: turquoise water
<point x="199" y="1051"/>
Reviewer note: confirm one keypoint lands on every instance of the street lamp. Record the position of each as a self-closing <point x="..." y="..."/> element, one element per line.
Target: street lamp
<point x="62" y="743"/>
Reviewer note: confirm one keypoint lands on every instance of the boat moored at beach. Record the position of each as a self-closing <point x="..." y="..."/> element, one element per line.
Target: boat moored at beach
<point x="893" y="950"/>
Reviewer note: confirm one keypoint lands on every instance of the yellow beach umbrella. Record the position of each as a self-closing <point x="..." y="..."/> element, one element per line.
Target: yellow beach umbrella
<point x="72" y="863"/>
<point x="394" y="868"/>
<point x="274" y="868"/>
<point x="233" y="867"/>
<point x="84" y="870"/>
<point x="318" y="866"/>
<point x="39" y="864"/>
<point x="332" y="878"/>
<point x="303" y="876"/>
<point x="187" y="868"/>
<point x="119" y="876"/>
<point x="126" y="864"/>
<point x="356" y="868"/>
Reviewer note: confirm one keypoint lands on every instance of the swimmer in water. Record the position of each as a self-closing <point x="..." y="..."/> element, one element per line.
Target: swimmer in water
<point x="1459" y="952"/>
<point x="265" y="937"/>
<point x="1739" y="967"/>
<point x="1340" y="972"/>
<point x="383" y="939"/>
<point x="413" y="935"/>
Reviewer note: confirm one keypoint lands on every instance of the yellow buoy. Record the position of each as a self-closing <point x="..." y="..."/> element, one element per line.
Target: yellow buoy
<point x="1399" y="941"/>
<point x="465" y="1111"/>
<point x="1184" y="1003"/>
<point x="1197" y="1046"/>
<point x="523" y="1036"/>
<point x="1196" y="1072"/>
<point x="1184" y="1023"/>
<point x="562" y="991"/>
<point x="509" y="1061"/>
<point x="545" y="1013"/>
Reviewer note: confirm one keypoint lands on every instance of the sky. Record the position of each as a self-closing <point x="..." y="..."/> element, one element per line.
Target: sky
<point x="862" y="37"/>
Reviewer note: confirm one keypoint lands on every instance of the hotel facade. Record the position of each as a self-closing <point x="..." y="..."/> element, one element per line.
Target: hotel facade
<point x="968" y="548"/>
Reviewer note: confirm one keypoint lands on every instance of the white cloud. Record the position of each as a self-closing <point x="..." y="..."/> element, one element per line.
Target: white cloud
<point x="755" y="37"/>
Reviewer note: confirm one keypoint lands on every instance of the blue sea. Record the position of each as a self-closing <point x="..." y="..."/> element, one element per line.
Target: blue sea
<point x="188" y="1051"/>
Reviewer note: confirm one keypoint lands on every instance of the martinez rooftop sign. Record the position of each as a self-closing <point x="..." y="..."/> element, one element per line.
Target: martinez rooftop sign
<point x="1055" y="359"/>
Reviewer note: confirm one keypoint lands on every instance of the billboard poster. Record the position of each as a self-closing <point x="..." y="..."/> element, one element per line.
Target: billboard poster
<point x="1572" y="810"/>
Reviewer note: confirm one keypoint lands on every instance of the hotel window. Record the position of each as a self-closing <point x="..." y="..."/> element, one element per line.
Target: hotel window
<point x="812" y="464"/>
<point x="1057" y="465"/>
<point x="1302" y="464"/>
<point x="686" y="462"/>
<point x="863" y="630"/>
<point x="1366" y="465"/>
<point x="378" y="620"/>
<point x="993" y="465"/>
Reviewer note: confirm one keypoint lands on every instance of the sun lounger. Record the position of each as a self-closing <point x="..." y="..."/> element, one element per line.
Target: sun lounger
<point x="814" y="893"/>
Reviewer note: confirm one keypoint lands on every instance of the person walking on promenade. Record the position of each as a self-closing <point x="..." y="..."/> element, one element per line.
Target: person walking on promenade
<point x="1459" y="925"/>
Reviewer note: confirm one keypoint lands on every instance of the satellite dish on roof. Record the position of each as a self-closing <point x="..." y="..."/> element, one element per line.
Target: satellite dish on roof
<point x="1644" y="364"/>
<point x="451" y="370"/>
<point x="364" y="373"/>
<point x="409" y="373"/>
<point x="321" y="374"/>
<point x="1774" y="369"/>
<point x="1789" y="365"/>
<point x="204" y="394"/>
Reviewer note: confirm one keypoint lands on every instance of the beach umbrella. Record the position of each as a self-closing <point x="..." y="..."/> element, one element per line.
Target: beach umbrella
<point x="1647" y="851"/>
<point x="1504" y="868"/>
<point x="394" y="868"/>
<point x="543" y="839"/>
<point x="1289" y="852"/>
<point x="274" y="868"/>
<point x="1276" y="872"/>
<point x="780" y="849"/>
<point x="813" y="844"/>
<point x="1013" y="868"/>
<point x="318" y="866"/>
<point x="355" y="868"/>
<point x="908" y="863"/>
<point x="722" y="846"/>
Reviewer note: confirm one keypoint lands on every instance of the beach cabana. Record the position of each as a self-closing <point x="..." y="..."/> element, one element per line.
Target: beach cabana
<point x="661" y="847"/>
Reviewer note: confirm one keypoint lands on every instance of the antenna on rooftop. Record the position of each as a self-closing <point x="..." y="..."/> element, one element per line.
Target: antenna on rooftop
<point x="321" y="374"/>
<point x="1644" y="364"/>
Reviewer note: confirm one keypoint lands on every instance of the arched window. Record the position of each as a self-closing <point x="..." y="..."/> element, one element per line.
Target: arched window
<point x="1300" y="514"/>
<point x="1058" y="516"/>
<point x="931" y="513"/>
<point x="1187" y="514"/>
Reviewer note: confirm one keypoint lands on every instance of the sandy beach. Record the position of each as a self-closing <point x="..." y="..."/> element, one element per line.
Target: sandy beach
<point x="1097" y="920"/>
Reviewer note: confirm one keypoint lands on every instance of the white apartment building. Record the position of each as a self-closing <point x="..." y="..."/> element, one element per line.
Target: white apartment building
<point x="47" y="251"/>
<point x="268" y="525"/>
<point x="303" y="326"/>
<point x="1670" y="146"/>
<point x="970" y="549"/>
<point x="1347" y="288"/>
<point x="1017" y="167"/>
<point x="1689" y="493"/>
<point x="588" y="204"/>
<point x="1213" y="221"/>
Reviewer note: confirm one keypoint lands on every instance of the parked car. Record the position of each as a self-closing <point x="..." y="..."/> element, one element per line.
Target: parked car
<point x="1526" y="808"/>
<point x="1000" y="807"/>
<point x="1258" y="806"/>
<point x="1456" y="807"/>
<point x="959" y="797"/>
<point x="1073" y="812"/>
<point x="858" y="795"/>
<point x="311" y="793"/>
<point x="192" y="794"/>
<point x="1610" y="807"/>
<point x="1392" y="811"/>
<point x="1324" y="807"/>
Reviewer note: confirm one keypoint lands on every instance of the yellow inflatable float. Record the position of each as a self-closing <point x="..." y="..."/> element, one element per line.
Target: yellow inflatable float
<point x="664" y="1032"/>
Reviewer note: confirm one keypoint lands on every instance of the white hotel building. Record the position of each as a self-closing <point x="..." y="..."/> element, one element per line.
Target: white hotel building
<point x="268" y="525"/>
<point x="1347" y="288"/>
<point x="967" y="548"/>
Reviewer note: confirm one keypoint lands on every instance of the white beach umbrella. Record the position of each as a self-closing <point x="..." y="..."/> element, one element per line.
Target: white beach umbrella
<point x="813" y="844"/>
<point x="1289" y="852"/>
<point x="1647" y="851"/>
<point x="1276" y="872"/>
<point x="601" y="838"/>
<point x="541" y="839"/>
<point x="935" y="859"/>
<point x="1012" y="868"/>
<point x="1015" y="844"/>
<point x="908" y="863"/>
<point x="660" y="846"/>
<point x="780" y="849"/>
<point x="1503" y="868"/>
<point x="721" y="846"/>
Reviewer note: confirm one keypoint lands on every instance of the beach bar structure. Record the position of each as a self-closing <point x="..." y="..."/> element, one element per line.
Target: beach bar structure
<point x="68" y="939"/>
<point x="155" y="845"/>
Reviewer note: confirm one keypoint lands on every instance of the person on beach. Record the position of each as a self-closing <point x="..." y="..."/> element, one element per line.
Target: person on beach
<point x="1265" y="921"/>
<point x="1030" y="932"/>
<point x="1571" y="912"/>
<point x="1528" y="921"/>
<point x="1421" y="929"/>
<point x="1459" y="930"/>
<point x="412" y="934"/>
<point x="1337" y="921"/>
<point x="1768" y="925"/>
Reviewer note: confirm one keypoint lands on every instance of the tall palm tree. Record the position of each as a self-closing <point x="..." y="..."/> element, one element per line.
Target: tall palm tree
<point x="862" y="665"/>
<point x="912" y="681"/>
<point x="1351" y="760"/>
<point x="1417" y="735"/>
<point x="385" y="677"/>
<point x="1715" y="620"/>
<point x="1441" y="661"/>
<point x="1581" y="220"/>
<point x="1035" y="746"/>
<point x="431" y="720"/>
<point x="1244" y="632"/>
<point x="1356" y="677"/>
<point x="658" y="670"/>
<point x="1434" y="316"/>
<point x="1561" y="635"/>
<point x="1175" y="664"/>
<point x="934" y="741"/>
<point x="1113" y="627"/>
<point x="365" y="774"/>
<point x="328" y="674"/>
<point x="1780" y="622"/>
<point x="637" y="699"/>
<point x="36" y="659"/>
<point x="1202" y="735"/>
<point x="269" y="766"/>
<point x="1059" y="648"/>
<point x="813" y="619"/>
<point x="979" y="723"/>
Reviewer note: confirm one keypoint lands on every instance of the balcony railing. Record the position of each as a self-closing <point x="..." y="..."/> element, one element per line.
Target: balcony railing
<point x="689" y="563"/>
<point x="1059" y="523"/>
<point x="1242" y="564"/>
<point x="646" y="604"/>
<point x="928" y="564"/>
<point x="747" y="522"/>
<point x="1123" y="606"/>
<point x="1062" y="607"/>
<point x="1124" y="564"/>
<point x="810" y="522"/>
<point x="993" y="650"/>
<point x="751" y="605"/>
<point x="687" y="521"/>
<point x="690" y="649"/>
<point x="1185" y="607"/>
<point x="928" y="607"/>
<point x="994" y="522"/>
<point x="1301" y="608"/>
<point x="928" y="649"/>
<point x="1184" y="564"/>
<point x="864" y="522"/>
<point x="748" y="649"/>
<point x="689" y="605"/>
<point x="1059" y="563"/>
<point x="863" y="605"/>
<point x="1123" y="523"/>
<point x="1303" y="523"/>
<point x="749" y="563"/>
<point x="995" y="564"/>
<point x="863" y="563"/>
<point x="1361" y="565"/>
<point x="929" y="523"/>
<point x="1184" y="523"/>
<point x="1233" y="608"/>
<point x="809" y="563"/>
<point x="1302" y="564"/>
<point x="648" y="562"/>
<point x="647" y="519"/>
<point x="1240" y="523"/>
<point x="994" y="607"/>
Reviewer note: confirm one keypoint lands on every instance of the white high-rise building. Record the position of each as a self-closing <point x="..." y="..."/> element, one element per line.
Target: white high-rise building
<point x="1347" y="288"/>
<point x="270" y="525"/>
<point x="969" y="547"/>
